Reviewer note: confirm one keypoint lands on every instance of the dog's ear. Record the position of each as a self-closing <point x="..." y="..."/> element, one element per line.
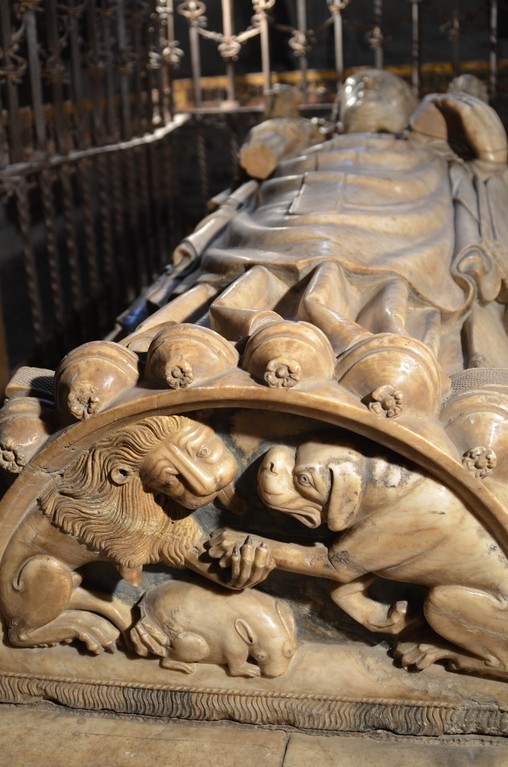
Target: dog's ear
<point x="345" y="494"/>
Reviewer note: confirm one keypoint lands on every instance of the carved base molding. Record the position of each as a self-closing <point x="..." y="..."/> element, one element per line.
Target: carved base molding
<point x="432" y="703"/>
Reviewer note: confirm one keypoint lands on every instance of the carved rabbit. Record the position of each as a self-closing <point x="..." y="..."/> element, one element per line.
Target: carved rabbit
<point x="186" y="623"/>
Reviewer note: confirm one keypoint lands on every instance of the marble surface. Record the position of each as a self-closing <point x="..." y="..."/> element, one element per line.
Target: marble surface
<point x="47" y="735"/>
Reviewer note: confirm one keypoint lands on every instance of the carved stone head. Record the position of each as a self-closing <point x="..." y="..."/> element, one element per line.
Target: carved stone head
<point x="375" y="101"/>
<point x="191" y="466"/>
<point x="110" y="496"/>
<point x="314" y="483"/>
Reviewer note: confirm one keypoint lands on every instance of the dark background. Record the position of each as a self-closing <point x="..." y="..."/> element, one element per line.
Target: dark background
<point x="358" y="20"/>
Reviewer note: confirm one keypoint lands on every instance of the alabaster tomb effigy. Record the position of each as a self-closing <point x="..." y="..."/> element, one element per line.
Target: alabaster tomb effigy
<point x="282" y="499"/>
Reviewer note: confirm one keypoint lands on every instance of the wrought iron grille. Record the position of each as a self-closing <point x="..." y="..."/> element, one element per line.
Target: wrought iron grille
<point x="115" y="115"/>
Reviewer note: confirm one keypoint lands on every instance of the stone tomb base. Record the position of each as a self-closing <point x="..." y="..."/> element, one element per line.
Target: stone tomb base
<point x="348" y="687"/>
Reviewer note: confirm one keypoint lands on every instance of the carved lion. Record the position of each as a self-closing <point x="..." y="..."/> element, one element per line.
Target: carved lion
<point x="123" y="501"/>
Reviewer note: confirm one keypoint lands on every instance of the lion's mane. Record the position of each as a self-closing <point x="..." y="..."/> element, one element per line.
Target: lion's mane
<point x="121" y="521"/>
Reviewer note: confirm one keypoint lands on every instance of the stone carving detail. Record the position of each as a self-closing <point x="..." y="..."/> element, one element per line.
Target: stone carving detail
<point x="10" y="458"/>
<point x="387" y="401"/>
<point x="187" y="623"/>
<point x="83" y="401"/>
<point x="480" y="461"/>
<point x="27" y="418"/>
<point x="413" y="380"/>
<point x="283" y="354"/>
<point x="281" y="372"/>
<point x="114" y="503"/>
<point x="180" y="376"/>
<point x="91" y="377"/>
<point x="377" y="504"/>
<point x="311" y="428"/>
<point x="181" y="355"/>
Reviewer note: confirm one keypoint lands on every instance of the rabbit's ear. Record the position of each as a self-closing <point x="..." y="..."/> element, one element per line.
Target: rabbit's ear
<point x="286" y="615"/>
<point x="244" y="630"/>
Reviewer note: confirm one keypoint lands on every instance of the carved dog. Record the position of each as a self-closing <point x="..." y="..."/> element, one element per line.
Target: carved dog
<point x="394" y="522"/>
<point x="110" y="504"/>
<point x="187" y="623"/>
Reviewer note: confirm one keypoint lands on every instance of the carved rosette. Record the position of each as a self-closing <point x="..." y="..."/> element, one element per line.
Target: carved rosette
<point x="476" y="419"/>
<point x="282" y="372"/>
<point x="182" y="355"/>
<point x="25" y="424"/>
<point x="11" y="458"/>
<point x="283" y="354"/>
<point x="387" y="402"/>
<point x="179" y="376"/>
<point x="480" y="461"/>
<point x="393" y="375"/>
<point x="91" y="377"/>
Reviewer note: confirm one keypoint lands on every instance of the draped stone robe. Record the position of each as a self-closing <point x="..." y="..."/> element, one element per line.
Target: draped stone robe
<point x="365" y="233"/>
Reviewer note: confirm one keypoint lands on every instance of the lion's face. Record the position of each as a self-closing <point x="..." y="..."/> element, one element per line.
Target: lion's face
<point x="192" y="466"/>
